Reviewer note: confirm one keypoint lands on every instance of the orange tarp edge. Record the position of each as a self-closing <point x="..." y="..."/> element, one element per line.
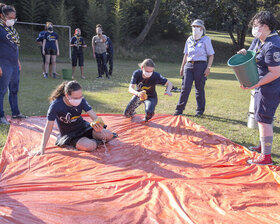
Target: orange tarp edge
<point x="169" y="170"/>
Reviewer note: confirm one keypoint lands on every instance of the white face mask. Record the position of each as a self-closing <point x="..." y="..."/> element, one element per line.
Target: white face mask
<point x="147" y="74"/>
<point x="197" y="32"/>
<point x="256" y="31"/>
<point x="10" y="22"/>
<point x="75" y="102"/>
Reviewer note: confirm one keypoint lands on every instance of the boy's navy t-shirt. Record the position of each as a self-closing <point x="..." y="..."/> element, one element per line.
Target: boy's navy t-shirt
<point x="68" y="118"/>
<point x="79" y="41"/>
<point x="148" y="84"/>
<point x="50" y="40"/>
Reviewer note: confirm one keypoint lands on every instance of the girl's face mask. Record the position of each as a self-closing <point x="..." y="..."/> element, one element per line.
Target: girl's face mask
<point x="75" y="102"/>
<point x="257" y="31"/>
<point x="147" y="74"/>
<point x="10" y="22"/>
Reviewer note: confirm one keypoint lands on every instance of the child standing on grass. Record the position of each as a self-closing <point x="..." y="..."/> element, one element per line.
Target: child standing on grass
<point x="77" y="44"/>
<point x="143" y="87"/>
<point x="50" y="49"/>
<point x="40" y="40"/>
<point x="67" y="104"/>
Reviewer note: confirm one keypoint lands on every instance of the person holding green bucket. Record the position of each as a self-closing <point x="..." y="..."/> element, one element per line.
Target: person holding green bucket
<point x="266" y="45"/>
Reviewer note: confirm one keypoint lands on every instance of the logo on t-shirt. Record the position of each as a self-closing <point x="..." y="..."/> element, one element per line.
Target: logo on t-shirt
<point x="51" y="38"/>
<point x="67" y="119"/>
<point x="276" y="56"/>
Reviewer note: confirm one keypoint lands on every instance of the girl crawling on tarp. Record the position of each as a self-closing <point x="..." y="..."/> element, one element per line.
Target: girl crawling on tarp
<point x="67" y="104"/>
<point x="143" y="87"/>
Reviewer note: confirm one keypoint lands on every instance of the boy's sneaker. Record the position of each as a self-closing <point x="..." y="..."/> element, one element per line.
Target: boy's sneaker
<point x="54" y="75"/>
<point x="19" y="116"/>
<point x="177" y="112"/>
<point x="256" y="148"/>
<point x="3" y="120"/>
<point x="261" y="160"/>
<point x="46" y="75"/>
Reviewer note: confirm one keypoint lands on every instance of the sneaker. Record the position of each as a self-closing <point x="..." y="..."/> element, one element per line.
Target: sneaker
<point x="256" y="148"/>
<point x="115" y="135"/>
<point x="19" y="116"/>
<point x="107" y="76"/>
<point x="99" y="77"/>
<point x="261" y="160"/>
<point x="175" y="89"/>
<point x="198" y="115"/>
<point x="177" y="112"/>
<point x="54" y="75"/>
<point x="3" y="120"/>
<point x="131" y="115"/>
<point x="46" y="75"/>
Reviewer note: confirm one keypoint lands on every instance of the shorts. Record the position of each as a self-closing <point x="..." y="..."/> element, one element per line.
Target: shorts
<point x="266" y="101"/>
<point x="44" y="58"/>
<point x="72" y="138"/>
<point x="75" y="58"/>
<point x="51" y="51"/>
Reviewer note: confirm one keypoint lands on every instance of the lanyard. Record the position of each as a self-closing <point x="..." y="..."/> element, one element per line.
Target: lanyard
<point x="195" y="42"/>
<point x="12" y="32"/>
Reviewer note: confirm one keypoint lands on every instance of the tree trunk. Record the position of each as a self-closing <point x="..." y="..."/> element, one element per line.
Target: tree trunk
<point x="138" y="40"/>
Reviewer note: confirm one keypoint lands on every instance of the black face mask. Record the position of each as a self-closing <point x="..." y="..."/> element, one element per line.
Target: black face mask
<point x="50" y="28"/>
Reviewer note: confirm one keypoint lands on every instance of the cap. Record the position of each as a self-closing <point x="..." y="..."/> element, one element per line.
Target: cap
<point x="198" y="22"/>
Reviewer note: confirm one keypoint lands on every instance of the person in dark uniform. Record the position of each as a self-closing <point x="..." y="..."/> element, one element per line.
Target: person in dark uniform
<point x="143" y="87"/>
<point x="77" y="44"/>
<point x="110" y="54"/>
<point x="67" y="104"/>
<point x="267" y="91"/>
<point x="50" y="49"/>
<point x="39" y="40"/>
<point x="9" y="62"/>
<point x="198" y="49"/>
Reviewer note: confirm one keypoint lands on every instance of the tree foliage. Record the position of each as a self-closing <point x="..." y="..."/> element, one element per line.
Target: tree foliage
<point x="126" y="20"/>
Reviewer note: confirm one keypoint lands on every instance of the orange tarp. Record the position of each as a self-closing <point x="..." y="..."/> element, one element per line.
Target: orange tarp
<point x="169" y="170"/>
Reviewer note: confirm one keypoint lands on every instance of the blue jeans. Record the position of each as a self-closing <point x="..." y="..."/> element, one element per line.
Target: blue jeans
<point x="150" y="106"/>
<point x="9" y="80"/>
<point x="101" y="60"/>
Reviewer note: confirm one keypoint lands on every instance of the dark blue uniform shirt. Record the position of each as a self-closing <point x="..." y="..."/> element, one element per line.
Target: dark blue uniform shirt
<point x="41" y="35"/>
<point x="68" y="118"/>
<point x="8" y="49"/>
<point x="110" y="46"/>
<point x="268" y="55"/>
<point x="50" y="40"/>
<point x="79" y="41"/>
<point x="147" y="84"/>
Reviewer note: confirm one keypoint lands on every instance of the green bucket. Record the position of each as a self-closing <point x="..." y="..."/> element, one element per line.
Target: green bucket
<point x="67" y="74"/>
<point x="245" y="68"/>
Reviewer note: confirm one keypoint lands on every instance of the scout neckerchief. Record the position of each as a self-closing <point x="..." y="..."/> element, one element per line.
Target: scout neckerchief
<point x="260" y="45"/>
<point x="78" y="41"/>
<point x="195" y="42"/>
<point x="12" y="32"/>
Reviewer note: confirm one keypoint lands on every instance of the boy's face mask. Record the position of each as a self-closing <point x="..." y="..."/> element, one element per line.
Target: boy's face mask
<point x="50" y="28"/>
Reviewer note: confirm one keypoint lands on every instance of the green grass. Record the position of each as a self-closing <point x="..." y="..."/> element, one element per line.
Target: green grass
<point x="226" y="104"/>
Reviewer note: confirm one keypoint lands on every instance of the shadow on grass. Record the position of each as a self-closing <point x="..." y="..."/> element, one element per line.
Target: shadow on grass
<point x="221" y="119"/>
<point x="222" y="76"/>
